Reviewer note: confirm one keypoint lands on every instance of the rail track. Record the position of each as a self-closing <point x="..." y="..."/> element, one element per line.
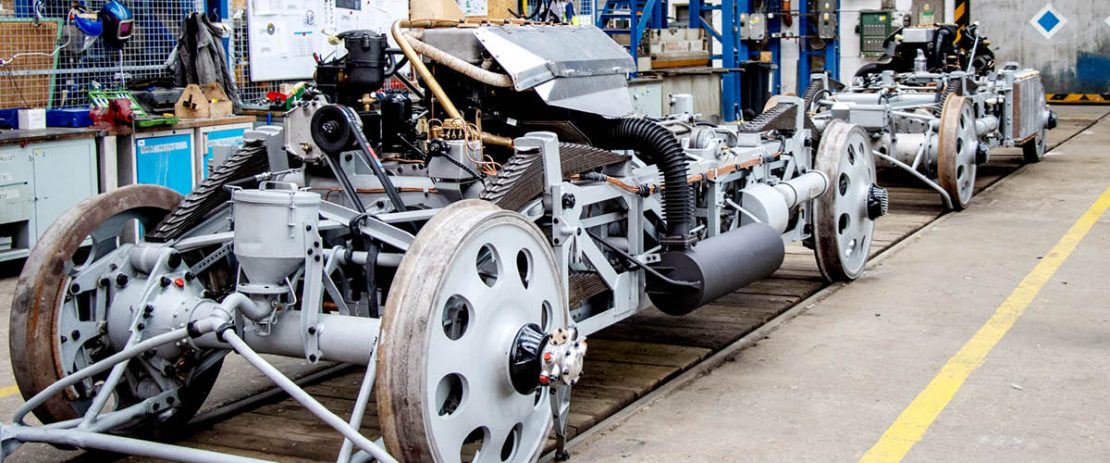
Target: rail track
<point x="626" y="361"/>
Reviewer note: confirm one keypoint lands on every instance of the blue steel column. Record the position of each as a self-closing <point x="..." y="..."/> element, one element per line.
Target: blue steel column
<point x="733" y="52"/>
<point x="832" y="52"/>
<point x="774" y="26"/>
<point x="803" y="46"/>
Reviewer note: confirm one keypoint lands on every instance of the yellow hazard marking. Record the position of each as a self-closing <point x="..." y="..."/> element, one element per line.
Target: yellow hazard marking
<point x="915" y="420"/>
<point x="961" y="8"/>
<point x="9" y="390"/>
<point x="1078" y="98"/>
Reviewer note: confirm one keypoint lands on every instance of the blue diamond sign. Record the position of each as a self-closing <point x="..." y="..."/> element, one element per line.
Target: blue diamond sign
<point x="1048" y="21"/>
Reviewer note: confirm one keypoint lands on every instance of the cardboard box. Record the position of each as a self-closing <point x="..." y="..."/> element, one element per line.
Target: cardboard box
<point x="31" y="119"/>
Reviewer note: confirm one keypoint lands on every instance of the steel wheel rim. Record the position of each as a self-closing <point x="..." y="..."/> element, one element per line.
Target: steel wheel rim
<point x="39" y="317"/>
<point x="966" y="144"/>
<point x="844" y="229"/>
<point x="957" y="145"/>
<point x="464" y="387"/>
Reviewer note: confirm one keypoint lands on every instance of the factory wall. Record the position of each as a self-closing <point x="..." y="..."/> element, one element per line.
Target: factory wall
<point x="1075" y="60"/>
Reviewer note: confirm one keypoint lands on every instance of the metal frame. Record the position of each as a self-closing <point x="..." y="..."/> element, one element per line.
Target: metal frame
<point x="893" y="106"/>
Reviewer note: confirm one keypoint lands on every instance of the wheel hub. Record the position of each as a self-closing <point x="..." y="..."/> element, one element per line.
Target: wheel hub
<point x="539" y="359"/>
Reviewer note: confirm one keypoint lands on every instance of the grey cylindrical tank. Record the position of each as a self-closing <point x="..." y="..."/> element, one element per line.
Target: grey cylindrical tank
<point x="271" y="230"/>
<point x="718" y="266"/>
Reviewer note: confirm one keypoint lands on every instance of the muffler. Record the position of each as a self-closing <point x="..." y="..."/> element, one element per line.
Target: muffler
<point x="716" y="266"/>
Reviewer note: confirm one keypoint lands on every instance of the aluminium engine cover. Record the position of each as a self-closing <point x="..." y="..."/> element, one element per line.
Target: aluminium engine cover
<point x="573" y="67"/>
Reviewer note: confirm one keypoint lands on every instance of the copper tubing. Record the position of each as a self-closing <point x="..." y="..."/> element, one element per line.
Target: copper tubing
<point x="421" y="69"/>
<point x="429" y="79"/>
<point x="474" y="72"/>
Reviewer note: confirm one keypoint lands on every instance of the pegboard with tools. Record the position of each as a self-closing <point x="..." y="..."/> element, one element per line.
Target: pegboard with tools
<point x="50" y="62"/>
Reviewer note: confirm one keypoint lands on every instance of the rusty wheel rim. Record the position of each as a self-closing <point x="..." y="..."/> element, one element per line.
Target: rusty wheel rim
<point x="444" y="391"/>
<point x="45" y="289"/>
<point x="956" y="149"/>
<point x="842" y="227"/>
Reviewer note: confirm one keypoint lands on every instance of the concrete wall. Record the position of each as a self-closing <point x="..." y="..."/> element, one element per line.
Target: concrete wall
<point x="1075" y="60"/>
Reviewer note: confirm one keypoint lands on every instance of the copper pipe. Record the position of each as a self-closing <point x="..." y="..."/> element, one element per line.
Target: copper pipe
<point x="421" y="69"/>
<point x="429" y="79"/>
<point x="490" y="78"/>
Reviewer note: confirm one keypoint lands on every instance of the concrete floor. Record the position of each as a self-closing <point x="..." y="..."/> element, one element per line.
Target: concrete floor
<point x="826" y="385"/>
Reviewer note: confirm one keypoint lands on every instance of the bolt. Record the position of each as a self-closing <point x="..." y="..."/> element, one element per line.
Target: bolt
<point x="165" y="281"/>
<point x="315" y="244"/>
<point x="568" y="200"/>
<point x="174" y="260"/>
<point x="64" y="339"/>
<point x="112" y="267"/>
<point x="308" y="227"/>
<point x="121" y="280"/>
<point x="141" y="326"/>
<point x="309" y="251"/>
<point x="75" y="288"/>
<point x="170" y="400"/>
<point x="189" y="276"/>
<point x="155" y="406"/>
<point x="76" y="335"/>
<point x="312" y="358"/>
<point x="103" y="282"/>
<point x="316" y="258"/>
<point x="312" y="330"/>
<point x="350" y="157"/>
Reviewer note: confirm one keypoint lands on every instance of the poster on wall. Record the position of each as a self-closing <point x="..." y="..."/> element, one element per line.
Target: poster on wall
<point x="285" y="37"/>
<point x="474" y="7"/>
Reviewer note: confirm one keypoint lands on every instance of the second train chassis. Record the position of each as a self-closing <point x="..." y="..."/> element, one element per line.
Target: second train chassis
<point x="938" y="124"/>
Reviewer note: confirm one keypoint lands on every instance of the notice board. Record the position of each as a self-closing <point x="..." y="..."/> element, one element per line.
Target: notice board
<point x="283" y="35"/>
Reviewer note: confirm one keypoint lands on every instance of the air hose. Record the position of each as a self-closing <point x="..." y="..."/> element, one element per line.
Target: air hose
<point x="658" y="146"/>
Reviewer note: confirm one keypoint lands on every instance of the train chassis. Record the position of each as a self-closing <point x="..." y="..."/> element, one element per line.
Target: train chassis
<point x="467" y="299"/>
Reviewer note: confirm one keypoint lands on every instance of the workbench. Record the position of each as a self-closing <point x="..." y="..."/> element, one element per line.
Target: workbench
<point x="43" y="173"/>
<point x="174" y="156"/>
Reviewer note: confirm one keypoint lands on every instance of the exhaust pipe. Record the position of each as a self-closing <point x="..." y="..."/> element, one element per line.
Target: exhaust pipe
<point x="718" y="266"/>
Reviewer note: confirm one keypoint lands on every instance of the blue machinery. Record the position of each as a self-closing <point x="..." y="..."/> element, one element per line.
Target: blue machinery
<point x="817" y="37"/>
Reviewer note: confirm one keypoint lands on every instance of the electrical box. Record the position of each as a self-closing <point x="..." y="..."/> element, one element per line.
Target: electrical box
<point x="927" y="12"/>
<point x="753" y="26"/>
<point x="826" y="19"/>
<point x="874" y="28"/>
<point x="647" y="97"/>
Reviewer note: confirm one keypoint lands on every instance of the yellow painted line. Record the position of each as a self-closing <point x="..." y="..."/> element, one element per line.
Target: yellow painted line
<point x="9" y="390"/>
<point x="915" y="420"/>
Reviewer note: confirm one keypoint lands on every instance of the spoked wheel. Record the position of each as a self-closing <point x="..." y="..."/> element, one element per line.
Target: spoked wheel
<point x="476" y="283"/>
<point x="956" y="150"/>
<point x="844" y="219"/>
<point x="57" y="324"/>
